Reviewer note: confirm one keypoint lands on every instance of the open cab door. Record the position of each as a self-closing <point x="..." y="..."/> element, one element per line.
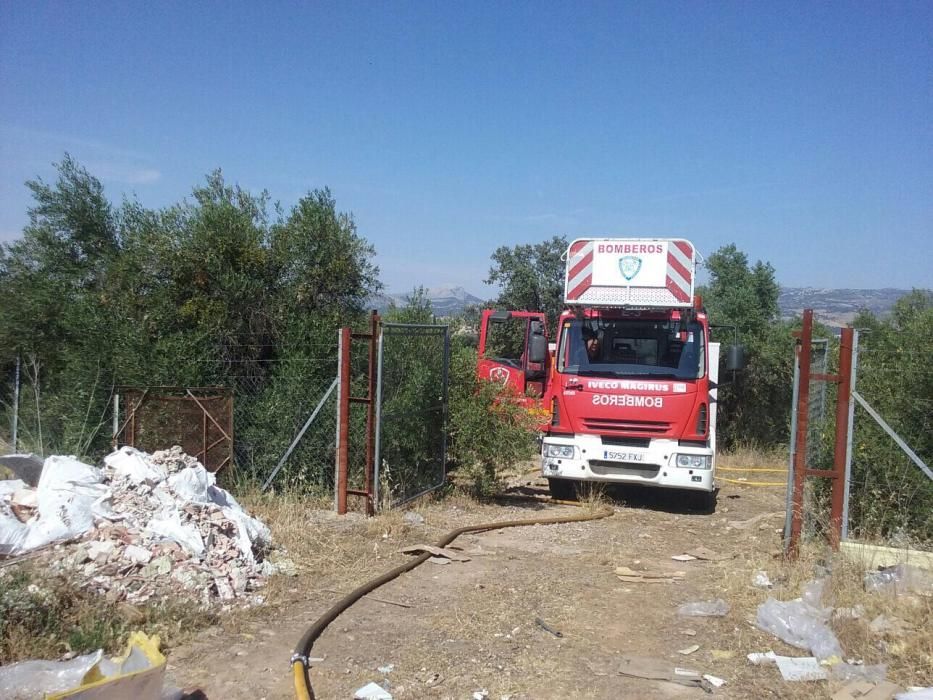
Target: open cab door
<point x="513" y="352"/>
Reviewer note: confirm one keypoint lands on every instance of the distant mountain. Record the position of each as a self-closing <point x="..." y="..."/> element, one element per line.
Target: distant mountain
<point x="445" y="301"/>
<point x="837" y="307"/>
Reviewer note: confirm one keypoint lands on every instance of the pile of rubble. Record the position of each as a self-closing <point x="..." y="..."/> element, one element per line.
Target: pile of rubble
<point x="142" y="526"/>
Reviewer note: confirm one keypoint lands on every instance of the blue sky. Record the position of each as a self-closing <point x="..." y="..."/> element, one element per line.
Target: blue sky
<point x="801" y="132"/>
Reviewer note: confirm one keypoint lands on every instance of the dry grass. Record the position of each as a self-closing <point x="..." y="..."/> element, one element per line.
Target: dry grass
<point x="43" y="617"/>
<point x="907" y="654"/>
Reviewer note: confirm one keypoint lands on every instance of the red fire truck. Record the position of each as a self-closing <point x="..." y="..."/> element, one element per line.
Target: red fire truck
<point x="629" y="385"/>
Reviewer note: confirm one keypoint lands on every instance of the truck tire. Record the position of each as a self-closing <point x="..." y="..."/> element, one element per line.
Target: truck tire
<point x="562" y="489"/>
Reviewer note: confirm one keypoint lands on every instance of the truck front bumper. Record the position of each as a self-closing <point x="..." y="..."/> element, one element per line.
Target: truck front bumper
<point x="654" y="465"/>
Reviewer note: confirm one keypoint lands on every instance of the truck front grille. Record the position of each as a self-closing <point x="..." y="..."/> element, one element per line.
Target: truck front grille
<point x="626" y="427"/>
<point x="605" y="468"/>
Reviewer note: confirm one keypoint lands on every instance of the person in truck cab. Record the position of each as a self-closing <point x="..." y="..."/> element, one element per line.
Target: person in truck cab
<point x="591" y="338"/>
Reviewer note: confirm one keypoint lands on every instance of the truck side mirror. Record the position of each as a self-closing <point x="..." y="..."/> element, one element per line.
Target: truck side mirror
<point x="537" y="348"/>
<point x="735" y="358"/>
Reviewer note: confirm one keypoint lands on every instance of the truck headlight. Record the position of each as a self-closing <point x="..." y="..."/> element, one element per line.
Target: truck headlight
<point x="693" y="461"/>
<point x="564" y="451"/>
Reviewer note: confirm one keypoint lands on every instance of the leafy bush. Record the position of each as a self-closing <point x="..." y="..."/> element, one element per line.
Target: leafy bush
<point x="489" y="432"/>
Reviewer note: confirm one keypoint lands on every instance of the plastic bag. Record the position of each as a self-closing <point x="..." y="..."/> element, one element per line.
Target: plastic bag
<point x="12" y="531"/>
<point x="192" y="485"/>
<point x="131" y="464"/>
<point x="801" y="623"/>
<point x="250" y="532"/>
<point x="898" y="579"/>
<point x="66" y="494"/>
<point x="704" y="608"/>
<point x="27" y="680"/>
<point x="168" y="524"/>
<point x="919" y="694"/>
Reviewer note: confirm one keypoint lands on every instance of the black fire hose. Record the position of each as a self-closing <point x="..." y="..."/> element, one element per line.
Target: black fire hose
<point x="301" y="667"/>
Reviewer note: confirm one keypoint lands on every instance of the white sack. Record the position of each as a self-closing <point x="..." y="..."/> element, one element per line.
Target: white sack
<point x="10" y="486"/>
<point x="168" y="524"/>
<point x="192" y="485"/>
<point x="130" y="463"/>
<point x="249" y="532"/>
<point x="66" y="494"/>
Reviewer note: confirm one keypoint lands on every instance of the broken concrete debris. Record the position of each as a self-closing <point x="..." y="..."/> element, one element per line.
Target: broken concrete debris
<point x="146" y="525"/>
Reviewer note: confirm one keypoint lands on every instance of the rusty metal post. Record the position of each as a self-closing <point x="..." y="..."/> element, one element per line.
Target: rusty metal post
<point x="842" y="435"/>
<point x="343" y="420"/>
<point x="800" y="444"/>
<point x="371" y="416"/>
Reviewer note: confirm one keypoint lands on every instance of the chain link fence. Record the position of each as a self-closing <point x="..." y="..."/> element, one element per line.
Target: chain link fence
<point x="412" y="407"/>
<point x="890" y="482"/>
<point x="283" y="417"/>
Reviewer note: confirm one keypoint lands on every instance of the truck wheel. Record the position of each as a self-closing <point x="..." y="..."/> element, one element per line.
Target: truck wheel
<point x="702" y="501"/>
<point x="562" y="489"/>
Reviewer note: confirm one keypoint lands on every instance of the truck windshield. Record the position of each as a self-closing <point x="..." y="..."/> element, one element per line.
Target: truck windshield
<point x="632" y="347"/>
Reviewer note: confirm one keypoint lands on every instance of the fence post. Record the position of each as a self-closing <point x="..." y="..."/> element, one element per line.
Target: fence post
<point x="115" y="432"/>
<point x="849" y="432"/>
<point x="343" y="420"/>
<point x="789" y="498"/>
<point x="377" y="437"/>
<point x="371" y="416"/>
<point x="800" y="444"/>
<point x="843" y="398"/>
<point x="16" y="403"/>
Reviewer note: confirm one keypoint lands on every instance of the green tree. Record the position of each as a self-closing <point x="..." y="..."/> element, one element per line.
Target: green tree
<point x="755" y="408"/>
<point x="531" y="277"/>
<point x="54" y="285"/>
<point x="221" y="289"/>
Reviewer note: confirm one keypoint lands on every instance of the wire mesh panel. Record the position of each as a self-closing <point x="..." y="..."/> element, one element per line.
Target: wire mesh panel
<point x="200" y="420"/>
<point x="819" y="454"/>
<point x="890" y="495"/>
<point x="413" y="378"/>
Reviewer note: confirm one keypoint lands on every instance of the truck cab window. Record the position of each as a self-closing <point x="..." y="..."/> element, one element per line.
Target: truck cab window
<point x="505" y="341"/>
<point x="632" y="347"/>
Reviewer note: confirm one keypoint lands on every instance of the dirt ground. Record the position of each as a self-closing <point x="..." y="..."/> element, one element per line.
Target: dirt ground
<point x="471" y="626"/>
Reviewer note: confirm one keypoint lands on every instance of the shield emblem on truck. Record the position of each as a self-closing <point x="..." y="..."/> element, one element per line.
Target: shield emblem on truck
<point x="629" y="266"/>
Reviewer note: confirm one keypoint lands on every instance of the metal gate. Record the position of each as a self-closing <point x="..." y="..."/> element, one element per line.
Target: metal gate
<point x="411" y="409"/>
<point x="200" y="420"/>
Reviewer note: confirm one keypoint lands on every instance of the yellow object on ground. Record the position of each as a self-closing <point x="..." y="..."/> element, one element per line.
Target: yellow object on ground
<point x="138" y="674"/>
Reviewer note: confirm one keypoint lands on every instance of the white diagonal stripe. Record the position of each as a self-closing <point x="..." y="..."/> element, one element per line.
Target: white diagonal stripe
<point x="678" y="280"/>
<point x="680" y="257"/>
